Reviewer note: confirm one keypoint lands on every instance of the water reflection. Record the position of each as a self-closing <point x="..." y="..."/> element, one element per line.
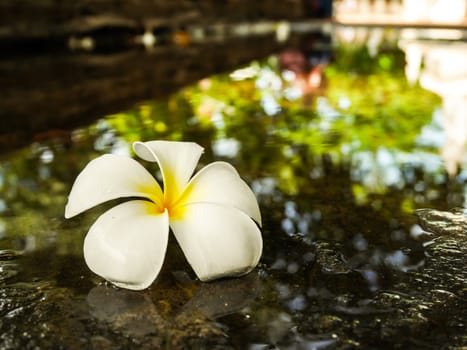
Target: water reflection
<point x="338" y="174"/>
<point x="436" y="61"/>
<point x="154" y="318"/>
<point x="131" y="313"/>
<point x="445" y="73"/>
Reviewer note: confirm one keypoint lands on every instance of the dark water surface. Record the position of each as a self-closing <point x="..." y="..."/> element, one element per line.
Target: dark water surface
<point x="342" y="153"/>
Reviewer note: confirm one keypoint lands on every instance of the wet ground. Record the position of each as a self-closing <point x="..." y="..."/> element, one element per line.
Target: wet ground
<point x="363" y="244"/>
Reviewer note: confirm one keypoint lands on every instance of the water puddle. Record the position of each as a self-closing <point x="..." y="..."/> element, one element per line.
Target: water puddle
<point x="355" y="255"/>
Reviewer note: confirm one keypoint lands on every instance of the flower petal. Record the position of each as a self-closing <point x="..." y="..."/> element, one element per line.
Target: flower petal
<point x="110" y="177"/>
<point x="220" y="183"/>
<point x="127" y="244"/>
<point x="218" y="240"/>
<point x="177" y="161"/>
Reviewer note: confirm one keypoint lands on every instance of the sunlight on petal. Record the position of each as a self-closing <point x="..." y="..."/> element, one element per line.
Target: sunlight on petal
<point x="177" y="161"/>
<point x="110" y="177"/>
<point x="127" y="244"/>
<point x="219" y="183"/>
<point x="217" y="240"/>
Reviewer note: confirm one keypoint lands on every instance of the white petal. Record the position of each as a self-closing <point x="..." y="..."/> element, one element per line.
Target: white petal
<point x="220" y="183"/>
<point x="177" y="161"/>
<point x="127" y="244"/>
<point x="110" y="177"/>
<point x="217" y="240"/>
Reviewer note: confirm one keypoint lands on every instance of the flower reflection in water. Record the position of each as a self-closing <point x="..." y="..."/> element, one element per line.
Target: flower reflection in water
<point x="157" y="320"/>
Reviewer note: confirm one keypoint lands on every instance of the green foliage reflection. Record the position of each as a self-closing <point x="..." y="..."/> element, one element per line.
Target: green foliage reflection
<point x="354" y="143"/>
<point x="366" y="106"/>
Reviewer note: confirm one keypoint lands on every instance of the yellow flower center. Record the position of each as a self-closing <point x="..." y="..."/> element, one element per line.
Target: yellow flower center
<point x="172" y="198"/>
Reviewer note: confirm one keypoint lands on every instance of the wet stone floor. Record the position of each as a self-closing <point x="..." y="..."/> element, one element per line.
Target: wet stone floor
<point x="321" y="306"/>
<point x="361" y="246"/>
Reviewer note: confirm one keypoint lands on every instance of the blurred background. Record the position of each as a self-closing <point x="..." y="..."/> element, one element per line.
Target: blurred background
<point x="68" y="57"/>
<point x="348" y="119"/>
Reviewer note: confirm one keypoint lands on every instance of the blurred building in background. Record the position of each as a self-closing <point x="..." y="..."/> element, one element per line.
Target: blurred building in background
<point x="402" y="12"/>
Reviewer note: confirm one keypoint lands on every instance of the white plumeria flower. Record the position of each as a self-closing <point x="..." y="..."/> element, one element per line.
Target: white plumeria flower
<point x="210" y="215"/>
